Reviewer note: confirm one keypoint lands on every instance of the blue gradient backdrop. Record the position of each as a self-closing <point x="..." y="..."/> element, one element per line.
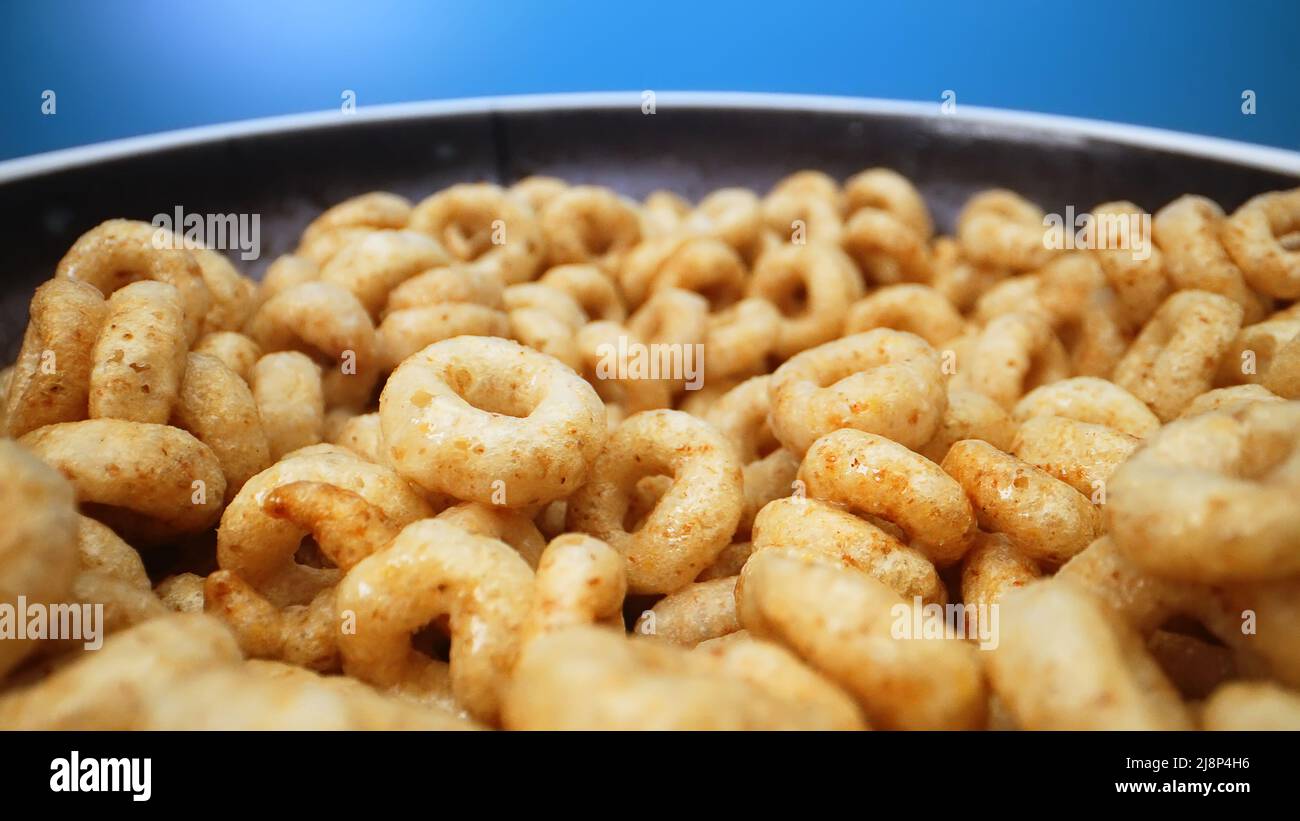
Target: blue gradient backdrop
<point x="136" y="67"/>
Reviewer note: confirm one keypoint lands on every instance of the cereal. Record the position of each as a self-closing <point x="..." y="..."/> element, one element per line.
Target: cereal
<point x="140" y="355"/>
<point x="483" y="225"/>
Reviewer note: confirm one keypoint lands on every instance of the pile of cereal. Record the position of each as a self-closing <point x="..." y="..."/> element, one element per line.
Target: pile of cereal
<point x="545" y="457"/>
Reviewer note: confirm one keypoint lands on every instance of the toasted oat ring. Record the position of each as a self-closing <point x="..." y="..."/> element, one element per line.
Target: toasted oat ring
<point x="1082" y="455"/>
<point x="538" y="190"/>
<point x="545" y="319"/>
<point x="433" y="569"/>
<point x="474" y="415"/>
<point x="140" y="355"/>
<point x="917" y="309"/>
<point x="671" y="316"/>
<point x="50" y="382"/>
<point x="290" y="401"/>
<point x="1014" y="354"/>
<point x="598" y="344"/>
<point x="1089" y="399"/>
<point x="739" y="339"/>
<point x="119" y="252"/>
<point x="591" y="288"/>
<point x="1251" y="705"/>
<point x="1188" y="232"/>
<point x="843" y="624"/>
<point x="662" y="213"/>
<point x="453" y="283"/>
<point x="259" y="548"/>
<point x="1139" y="284"/>
<point x="812" y="286"/>
<point x="741" y="414"/>
<point x="993" y="568"/>
<point x="1003" y="229"/>
<point x="1228" y="400"/>
<point x="1176" y="356"/>
<point x="698" y="612"/>
<point x="1211" y="498"/>
<point x="830" y="533"/>
<point x="970" y="415"/>
<point x="1065" y="662"/>
<point x="885" y="248"/>
<point x="236" y="351"/>
<point x="149" y="482"/>
<point x="1252" y="236"/>
<point x="350" y="219"/>
<point x="591" y="225"/>
<point x="407" y="331"/>
<point x="1283" y="377"/>
<point x="708" y="267"/>
<point x="878" y="477"/>
<point x="217" y="407"/>
<point x="1046" y="518"/>
<point x="580" y="580"/>
<point x="803" y="217"/>
<point x="882" y="381"/>
<point x="733" y="215"/>
<point x="372" y="265"/>
<point x="691" y="523"/>
<point x="325" y="321"/>
<point x="887" y="190"/>
<point x="1256" y="345"/>
<point x="484" y="225"/>
<point x="362" y="435"/>
<point x="504" y="525"/>
<point x="231" y="292"/>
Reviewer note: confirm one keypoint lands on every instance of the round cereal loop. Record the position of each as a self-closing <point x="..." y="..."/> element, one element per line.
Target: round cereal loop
<point x="139" y="358"/>
<point x="611" y="359"/>
<point x="1065" y="662"/>
<point x="1131" y="262"/>
<point x="362" y="435"/>
<point x="482" y="224"/>
<point x="690" y="524"/>
<point x="150" y="483"/>
<point x="1188" y="232"/>
<point x="1251" y="705"/>
<point x="538" y="190"/>
<point x="673" y="323"/>
<point x="740" y="339"/>
<point x="1046" y="519"/>
<point x="408" y="331"/>
<point x="1253" y="237"/>
<point x="812" y="286"/>
<point x="290" y="401"/>
<point x="1175" y="357"/>
<point x="1210" y="498"/>
<point x="38" y="546"/>
<point x="698" y="612"/>
<point x="708" y="267"/>
<point x="1014" y="354"/>
<point x="1002" y="229"/>
<point x="452" y="283"/>
<point x="1283" y="377"/>
<point x="874" y="476"/>
<point x="236" y="351"/>
<point x="509" y="526"/>
<point x="217" y="407"/>
<point x="803" y="216"/>
<point x="993" y="568"/>
<point x="350" y="219"/>
<point x="1228" y="400"/>
<point x="1250" y="356"/>
<point x="182" y="593"/>
<point x="232" y="293"/>
<point x="844" y="624"/>
<point x="50" y="382"/>
<point x="545" y="319"/>
<point x="1082" y="455"/>
<point x="883" y="381"/>
<point x="733" y="215"/>
<point x="917" y="309"/>
<point x="958" y="278"/>
<point x="592" y="289"/>
<point x="325" y="321"/>
<point x="662" y="213"/>
<point x="119" y="252"/>
<point x="488" y="420"/>
<point x="285" y="272"/>
<point x="1092" y="400"/>
<point x="587" y="224"/>
<point x="769" y="470"/>
<point x="886" y="190"/>
<point x="431" y="570"/>
<point x="728" y="563"/>
<point x="579" y="581"/>
<point x="970" y="415"/>
<point x="885" y="249"/>
<point x="372" y="265"/>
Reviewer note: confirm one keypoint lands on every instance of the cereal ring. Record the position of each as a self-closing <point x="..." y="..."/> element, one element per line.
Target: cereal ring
<point x="217" y="407"/>
<point x="491" y="421"/>
<point x="599" y="344"/>
<point x="1046" y="519"/>
<point x="1092" y="400"/>
<point x="1210" y="498"/>
<point x="545" y="319"/>
<point x="482" y="224"/>
<point x="739" y="339"/>
<point x="592" y="289"/>
<point x="509" y="526"/>
<point x="1175" y="357"/>
<point x="1003" y="229"/>
<point x="285" y="272"/>
<point x="802" y="216"/>
<point x="580" y="580"/>
<point x="148" y="482"/>
<point x="352" y="218"/>
<point x="885" y="249"/>
<point x="1014" y="354"/>
<point x="290" y="401"/>
<point x="182" y="593"/>
<point x="1250" y="357"/>
<point x="407" y="331"/>
<point x="454" y="283"/>
<point x="690" y="524"/>
<point x="1188" y="231"/>
<point x="1082" y="455"/>
<point x="362" y="435"/>
<point x="538" y="190"/>
<point x="698" y="612"/>
<point x="326" y="322"/>
<point x="812" y="286"/>
<point x="971" y="415"/>
<point x="373" y="264"/>
<point x="993" y="568"/>
<point x="882" y="381"/>
<point x="1064" y="662"/>
<point x="1283" y="377"/>
<point x="844" y="624"/>
<point x="917" y="309"/>
<point x="959" y="279"/>
<point x="1252" y="236"/>
<point x="430" y="570"/>
<point x="1139" y="283"/>
<point x="769" y="470"/>
<point x="1228" y="400"/>
<point x="728" y="563"/>
<point x="733" y="215"/>
<point x="587" y="224"/>
<point x="708" y="267"/>
<point x="50" y="382"/>
<point x="140" y="355"/>
<point x="236" y="351"/>
<point x="662" y="213"/>
<point x="232" y="293"/>
<point x="1251" y="705"/>
<point x="887" y="190"/>
<point x="1275" y="605"/>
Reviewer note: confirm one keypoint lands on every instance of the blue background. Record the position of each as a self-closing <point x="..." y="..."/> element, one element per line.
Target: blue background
<point x="136" y="67"/>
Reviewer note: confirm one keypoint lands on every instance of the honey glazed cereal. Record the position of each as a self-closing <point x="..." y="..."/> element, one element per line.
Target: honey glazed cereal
<point x="543" y="456"/>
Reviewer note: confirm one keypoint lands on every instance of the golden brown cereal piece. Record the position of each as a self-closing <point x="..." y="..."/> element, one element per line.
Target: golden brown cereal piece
<point x="484" y="225"/>
<point x="612" y="361"/>
<point x="741" y="414"/>
<point x="846" y="625"/>
<point x="1046" y="519"/>
<point x="232" y="293"/>
<point x="119" y="252"/>
<point x="802" y="216"/>
<point x="1065" y="662"/>
<point x="1251" y="354"/>
<point x="1228" y="400"/>
<point x="708" y="267"/>
<point x="812" y="286"/>
<point x="451" y="283"/>
<point x="491" y="421"/>
<point x="290" y="401"/>
<point x="917" y="309"/>
<point x="587" y="224"/>
<point x="284" y="273"/>
<point x="410" y="330"/>
<point x="148" y="482"/>
<point x="362" y="435"/>
<point x="538" y="190"/>
<point x="236" y="351"/>
<point x="729" y="562"/>
<point x="376" y="262"/>
<point x="50" y="382"/>
<point x="1142" y="600"/>
<point x="884" y="382"/>
<point x="1014" y="354"/>
<point x="300" y="634"/>
<point x="579" y="580"/>
<point x="698" y="612"/>
<point x="1242" y="705"/>
<point x="352" y="218"/>
<point x="434" y="569"/>
<point x="545" y="319"/>
<point x="958" y="278"/>
<point x="217" y="407"/>
<point x="1252" y="236"/>
<point x="692" y="522"/>
<point x="182" y="593"/>
<point x="740" y="339"/>
<point x="1092" y="400"/>
<point x="1211" y="498"/>
<point x="510" y="526"/>
<point x="38" y="545"/>
<point x="1003" y="229"/>
<point x="140" y="355"/>
<point x="993" y="568"/>
<point x="1283" y="377"/>
<point x="1260" y="621"/>
<point x="662" y="213"/>
<point x="971" y="415"/>
<point x="1188" y="232"/>
<point x="874" y="476"/>
<point x="887" y="190"/>
<point x="732" y="215"/>
<point x="593" y="290"/>
<point x="885" y="248"/>
<point x="1133" y="265"/>
<point x="1082" y="455"/>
